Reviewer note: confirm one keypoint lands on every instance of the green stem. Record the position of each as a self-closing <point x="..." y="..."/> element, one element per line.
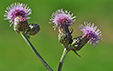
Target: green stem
<point x="62" y="59"/>
<point x="35" y="51"/>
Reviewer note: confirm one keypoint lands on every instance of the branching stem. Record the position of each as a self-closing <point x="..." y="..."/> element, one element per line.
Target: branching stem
<point x="62" y="58"/>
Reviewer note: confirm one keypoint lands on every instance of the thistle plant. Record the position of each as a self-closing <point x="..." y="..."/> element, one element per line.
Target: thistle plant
<point x="63" y="19"/>
<point x="17" y="14"/>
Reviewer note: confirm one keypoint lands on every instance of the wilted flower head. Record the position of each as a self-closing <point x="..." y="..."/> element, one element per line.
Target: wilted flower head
<point x="17" y="9"/>
<point x="90" y="31"/>
<point x="62" y="17"/>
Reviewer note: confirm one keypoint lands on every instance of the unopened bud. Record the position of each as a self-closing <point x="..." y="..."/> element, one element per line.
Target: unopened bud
<point x="33" y="29"/>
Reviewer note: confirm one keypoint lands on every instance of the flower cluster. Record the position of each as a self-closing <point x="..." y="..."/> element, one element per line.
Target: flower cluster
<point x="63" y="19"/>
<point x="17" y="14"/>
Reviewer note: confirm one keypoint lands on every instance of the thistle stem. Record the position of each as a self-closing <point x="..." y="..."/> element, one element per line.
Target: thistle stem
<point x="62" y="59"/>
<point x="36" y="52"/>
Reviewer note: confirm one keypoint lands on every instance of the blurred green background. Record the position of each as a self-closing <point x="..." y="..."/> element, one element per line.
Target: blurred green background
<point x="16" y="55"/>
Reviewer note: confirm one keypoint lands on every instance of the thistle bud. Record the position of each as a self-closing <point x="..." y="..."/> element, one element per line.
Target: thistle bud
<point x="33" y="29"/>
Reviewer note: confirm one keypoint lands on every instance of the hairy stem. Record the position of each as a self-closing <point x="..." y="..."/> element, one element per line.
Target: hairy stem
<point x="35" y="51"/>
<point x="62" y="59"/>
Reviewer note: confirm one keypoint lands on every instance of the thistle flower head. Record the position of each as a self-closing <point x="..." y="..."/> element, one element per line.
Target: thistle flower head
<point x="62" y="17"/>
<point x="17" y="9"/>
<point x="90" y="31"/>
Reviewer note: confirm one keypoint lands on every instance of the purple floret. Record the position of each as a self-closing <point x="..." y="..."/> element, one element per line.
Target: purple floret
<point x="17" y="9"/>
<point x="62" y="17"/>
<point x="90" y="31"/>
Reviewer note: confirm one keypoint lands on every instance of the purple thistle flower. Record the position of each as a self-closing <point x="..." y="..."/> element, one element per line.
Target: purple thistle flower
<point x="62" y="17"/>
<point x="17" y="9"/>
<point x="90" y="31"/>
